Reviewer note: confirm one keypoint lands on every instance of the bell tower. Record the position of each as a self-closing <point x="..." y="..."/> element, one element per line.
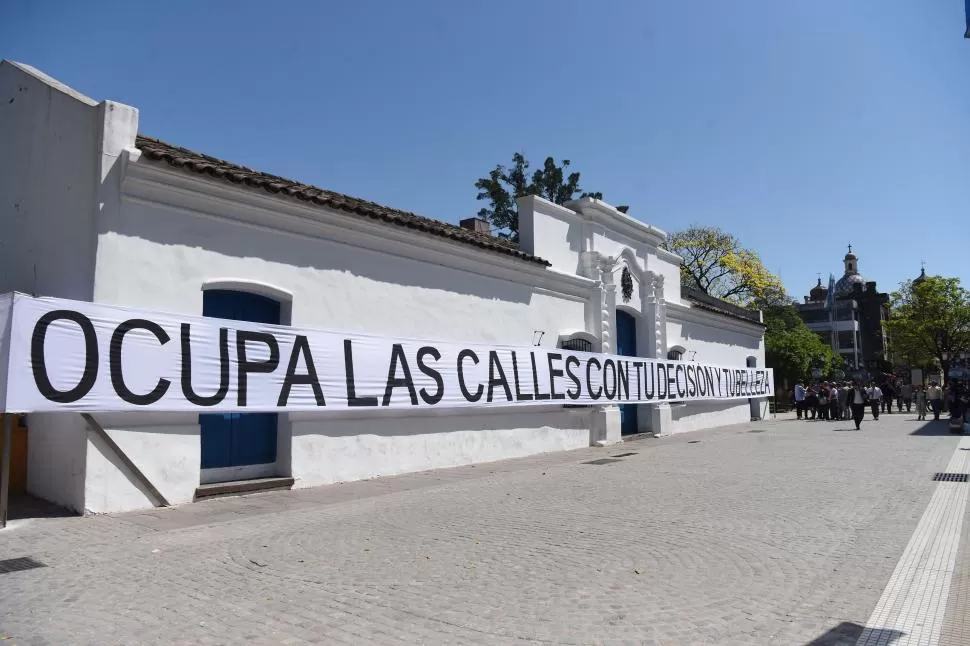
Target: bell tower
<point x="851" y="263"/>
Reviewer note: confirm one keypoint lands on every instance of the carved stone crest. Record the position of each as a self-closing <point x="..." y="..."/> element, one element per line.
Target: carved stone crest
<point x="626" y="284"/>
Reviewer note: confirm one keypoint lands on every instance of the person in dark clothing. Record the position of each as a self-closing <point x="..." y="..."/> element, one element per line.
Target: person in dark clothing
<point x="823" y="402"/>
<point x="955" y="399"/>
<point x="888" y="395"/>
<point x="811" y="402"/>
<point x="857" y="401"/>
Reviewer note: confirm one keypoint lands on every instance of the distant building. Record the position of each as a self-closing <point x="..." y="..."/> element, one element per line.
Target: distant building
<point x="849" y="315"/>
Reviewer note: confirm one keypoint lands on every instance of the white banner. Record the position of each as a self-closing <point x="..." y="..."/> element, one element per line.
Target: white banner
<point x="75" y="356"/>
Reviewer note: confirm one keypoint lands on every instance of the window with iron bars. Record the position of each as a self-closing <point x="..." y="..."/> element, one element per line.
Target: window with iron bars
<point x="577" y="345"/>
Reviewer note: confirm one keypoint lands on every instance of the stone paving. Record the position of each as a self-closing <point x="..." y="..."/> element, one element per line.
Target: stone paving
<point x="779" y="532"/>
<point x="956" y="624"/>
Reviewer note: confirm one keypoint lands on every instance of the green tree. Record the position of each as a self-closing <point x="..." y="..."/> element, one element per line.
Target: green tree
<point x="930" y="319"/>
<point x="715" y="263"/>
<point x="504" y="185"/>
<point x="792" y="349"/>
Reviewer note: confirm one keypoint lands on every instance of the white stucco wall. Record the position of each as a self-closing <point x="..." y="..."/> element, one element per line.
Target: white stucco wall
<point x="333" y="286"/>
<point x="342" y="448"/>
<point x="48" y="167"/>
<point x="93" y="221"/>
<point x="56" y="458"/>
<point x="328" y="285"/>
<point x="607" y="235"/>
<point x="667" y="265"/>
<point x="552" y="232"/>
<point x="711" y="338"/>
<point x="59" y="177"/>
<point x="707" y="342"/>
<point x="48" y="149"/>
<point x="700" y="415"/>
<point x="164" y="446"/>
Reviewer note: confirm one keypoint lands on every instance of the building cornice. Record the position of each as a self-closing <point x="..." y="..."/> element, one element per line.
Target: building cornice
<point x="603" y="213"/>
<point x="686" y="313"/>
<point x="645" y="238"/>
<point x="172" y="188"/>
<point x="669" y="256"/>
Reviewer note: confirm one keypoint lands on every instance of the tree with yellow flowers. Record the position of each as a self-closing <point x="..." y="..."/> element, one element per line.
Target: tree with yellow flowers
<point x="715" y="263"/>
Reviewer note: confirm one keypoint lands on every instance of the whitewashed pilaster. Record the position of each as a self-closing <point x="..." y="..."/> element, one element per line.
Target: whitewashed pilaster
<point x="606" y="419"/>
<point x="608" y="308"/>
<point x="660" y="420"/>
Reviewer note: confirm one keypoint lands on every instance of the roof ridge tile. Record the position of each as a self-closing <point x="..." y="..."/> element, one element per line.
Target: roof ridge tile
<point x="185" y="159"/>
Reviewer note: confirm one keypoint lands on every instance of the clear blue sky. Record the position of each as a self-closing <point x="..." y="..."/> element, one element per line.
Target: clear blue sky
<point x="798" y="126"/>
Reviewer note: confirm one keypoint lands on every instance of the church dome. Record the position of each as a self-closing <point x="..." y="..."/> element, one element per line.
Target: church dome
<point x="818" y="292"/>
<point x="921" y="277"/>
<point x="846" y="284"/>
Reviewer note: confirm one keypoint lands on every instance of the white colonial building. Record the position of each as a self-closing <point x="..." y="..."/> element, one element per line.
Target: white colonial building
<point x="91" y="210"/>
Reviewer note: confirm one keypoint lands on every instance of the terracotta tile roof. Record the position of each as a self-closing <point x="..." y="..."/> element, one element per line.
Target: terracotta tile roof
<point x="711" y="304"/>
<point x="189" y="160"/>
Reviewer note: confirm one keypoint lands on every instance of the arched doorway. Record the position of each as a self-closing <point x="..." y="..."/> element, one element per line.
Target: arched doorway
<point x="626" y="345"/>
<point x="238" y="445"/>
<point x="754" y="404"/>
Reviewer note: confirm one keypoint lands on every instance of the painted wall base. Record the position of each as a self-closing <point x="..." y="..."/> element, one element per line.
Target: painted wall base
<point x="660" y="420"/>
<point x="605" y="428"/>
<point x="69" y="466"/>
<point x="344" y="450"/>
<point x="704" y="415"/>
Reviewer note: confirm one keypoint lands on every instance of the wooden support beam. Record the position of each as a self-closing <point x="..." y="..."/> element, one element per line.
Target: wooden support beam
<point x="5" y="468"/>
<point x="158" y="499"/>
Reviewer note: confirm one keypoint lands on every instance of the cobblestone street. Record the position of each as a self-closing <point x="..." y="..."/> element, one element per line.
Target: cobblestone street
<point x="780" y="532"/>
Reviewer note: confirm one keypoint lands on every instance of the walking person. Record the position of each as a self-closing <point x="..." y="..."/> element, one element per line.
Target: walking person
<point x="888" y="395"/>
<point x="934" y="395"/>
<point x="874" y="394"/>
<point x="857" y="398"/>
<point x="920" y="394"/>
<point x="906" y="397"/>
<point x="799" y="399"/>
<point x="846" y="403"/>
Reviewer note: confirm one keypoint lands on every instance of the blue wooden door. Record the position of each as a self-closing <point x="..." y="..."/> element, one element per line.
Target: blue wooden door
<point x="626" y="344"/>
<point x="238" y="439"/>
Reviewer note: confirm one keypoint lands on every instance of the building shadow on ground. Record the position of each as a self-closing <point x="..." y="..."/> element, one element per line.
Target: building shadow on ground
<point x="931" y="427"/>
<point x="26" y="506"/>
<point x="848" y="633"/>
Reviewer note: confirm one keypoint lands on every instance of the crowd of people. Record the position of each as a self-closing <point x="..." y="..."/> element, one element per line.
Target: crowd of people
<point x="851" y="400"/>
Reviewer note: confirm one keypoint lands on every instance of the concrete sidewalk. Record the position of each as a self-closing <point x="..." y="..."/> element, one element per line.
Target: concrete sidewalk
<point x="778" y="532"/>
